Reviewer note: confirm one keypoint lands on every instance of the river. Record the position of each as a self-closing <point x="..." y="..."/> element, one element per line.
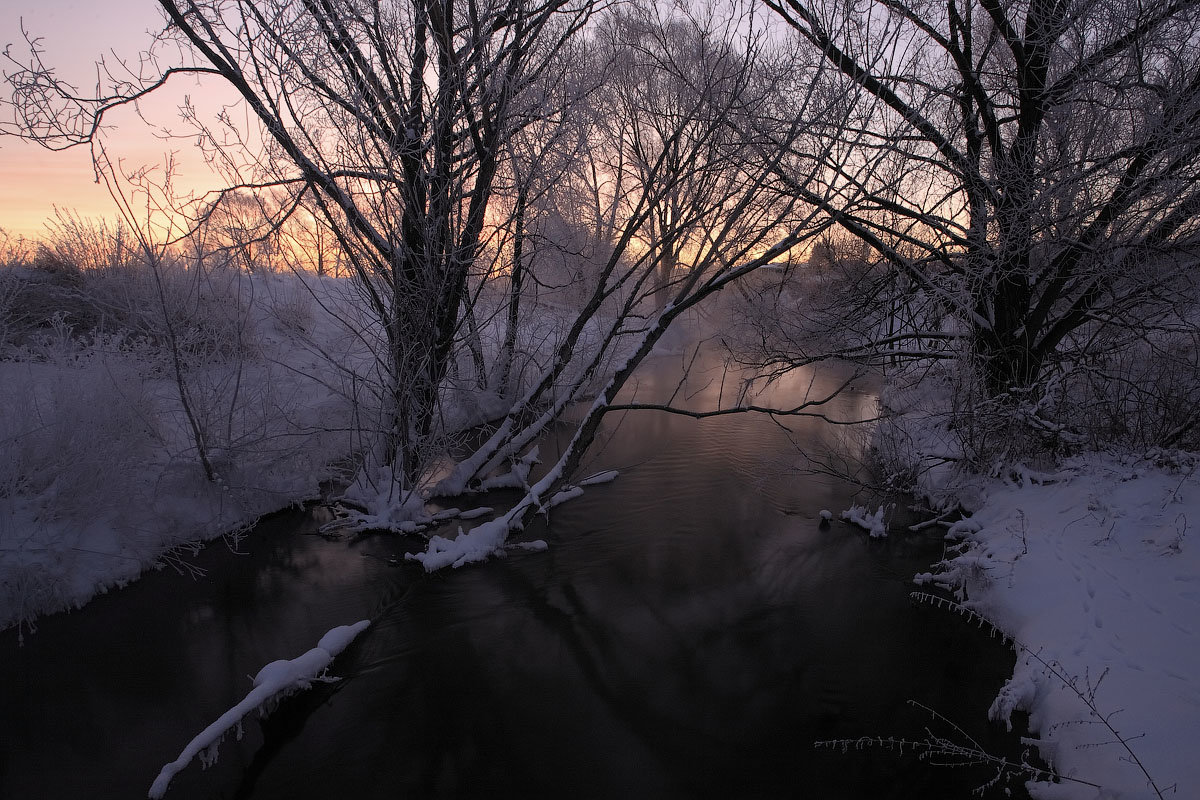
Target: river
<point x="691" y="631"/>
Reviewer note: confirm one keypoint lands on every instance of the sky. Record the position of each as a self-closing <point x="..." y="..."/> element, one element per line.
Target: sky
<point x="75" y="33"/>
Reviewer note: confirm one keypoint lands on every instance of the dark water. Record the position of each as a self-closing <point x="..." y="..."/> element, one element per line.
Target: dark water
<point x="690" y="632"/>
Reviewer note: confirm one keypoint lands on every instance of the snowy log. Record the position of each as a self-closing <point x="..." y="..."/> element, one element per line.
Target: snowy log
<point x="274" y="681"/>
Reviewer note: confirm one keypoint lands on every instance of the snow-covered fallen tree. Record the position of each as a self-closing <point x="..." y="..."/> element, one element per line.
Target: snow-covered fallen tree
<point x="272" y="683"/>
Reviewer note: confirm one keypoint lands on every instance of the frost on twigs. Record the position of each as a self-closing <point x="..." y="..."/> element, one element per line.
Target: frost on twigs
<point x="954" y="748"/>
<point x="273" y="682"/>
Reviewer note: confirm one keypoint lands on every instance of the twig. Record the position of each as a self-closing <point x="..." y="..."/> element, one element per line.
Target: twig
<point x="1052" y="668"/>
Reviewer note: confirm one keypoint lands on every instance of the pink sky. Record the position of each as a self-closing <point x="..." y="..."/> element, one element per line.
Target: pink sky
<point x="75" y="34"/>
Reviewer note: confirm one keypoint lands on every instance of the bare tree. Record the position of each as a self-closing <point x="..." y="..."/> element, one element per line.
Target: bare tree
<point x="306" y="243"/>
<point x="1026" y="167"/>
<point x="238" y="225"/>
<point x="144" y="205"/>
<point x="677" y="201"/>
<point x="438" y="141"/>
<point x="391" y="117"/>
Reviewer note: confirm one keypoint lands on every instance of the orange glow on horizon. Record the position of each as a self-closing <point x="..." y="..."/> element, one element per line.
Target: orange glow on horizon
<point x="74" y="34"/>
<point x="34" y="182"/>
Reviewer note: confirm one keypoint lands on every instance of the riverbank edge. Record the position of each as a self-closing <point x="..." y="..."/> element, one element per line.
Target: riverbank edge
<point x="1089" y="570"/>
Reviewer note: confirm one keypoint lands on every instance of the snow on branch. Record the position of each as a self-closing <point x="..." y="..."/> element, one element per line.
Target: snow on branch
<point x="605" y="476"/>
<point x="873" y="524"/>
<point x="490" y="538"/>
<point x="272" y="683"/>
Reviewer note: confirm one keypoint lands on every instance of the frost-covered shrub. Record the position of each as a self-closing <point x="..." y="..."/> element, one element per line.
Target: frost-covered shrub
<point x="245" y="413"/>
<point x="125" y="297"/>
<point x="34" y="300"/>
<point x="78" y="244"/>
<point x="1144" y="395"/>
<point x="1019" y="427"/>
<point x="940" y="433"/>
<point x="10" y="293"/>
<point x="90" y="276"/>
<point x="208" y="310"/>
<point x="290" y="304"/>
<point x="55" y="280"/>
<point x="914" y="447"/>
<point x="942" y="427"/>
<point x="68" y="436"/>
<point x="15" y="251"/>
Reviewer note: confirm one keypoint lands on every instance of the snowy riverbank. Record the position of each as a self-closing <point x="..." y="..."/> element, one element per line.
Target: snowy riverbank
<point x="100" y="478"/>
<point x="101" y="474"/>
<point x="1095" y="572"/>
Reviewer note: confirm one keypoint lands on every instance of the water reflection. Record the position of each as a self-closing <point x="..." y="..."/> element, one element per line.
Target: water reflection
<point x="689" y="633"/>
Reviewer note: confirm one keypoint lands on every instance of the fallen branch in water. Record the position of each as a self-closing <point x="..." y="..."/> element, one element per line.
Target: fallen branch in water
<point x="272" y="683"/>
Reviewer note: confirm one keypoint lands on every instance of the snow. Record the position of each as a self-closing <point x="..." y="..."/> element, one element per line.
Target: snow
<point x="826" y="514"/>
<point x="273" y="682"/>
<point x="339" y="638"/>
<point x="476" y="513"/>
<point x="516" y="478"/>
<point x="478" y="544"/>
<point x="1096" y="576"/>
<point x="606" y="476"/>
<point x="99" y="478"/>
<point x="874" y="524"/>
<point x="565" y="495"/>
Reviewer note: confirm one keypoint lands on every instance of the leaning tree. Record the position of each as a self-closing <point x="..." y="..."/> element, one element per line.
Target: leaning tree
<point x="414" y="130"/>
<point x="389" y="119"/>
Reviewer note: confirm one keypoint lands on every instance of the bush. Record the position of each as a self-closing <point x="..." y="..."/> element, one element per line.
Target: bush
<point x="1143" y="396"/>
<point x="67" y="436"/>
<point x="942" y="427"/>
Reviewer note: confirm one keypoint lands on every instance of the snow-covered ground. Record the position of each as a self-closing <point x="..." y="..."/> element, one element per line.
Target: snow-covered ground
<point x="99" y="478"/>
<point x="1092" y="568"/>
<point x="1094" y="571"/>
